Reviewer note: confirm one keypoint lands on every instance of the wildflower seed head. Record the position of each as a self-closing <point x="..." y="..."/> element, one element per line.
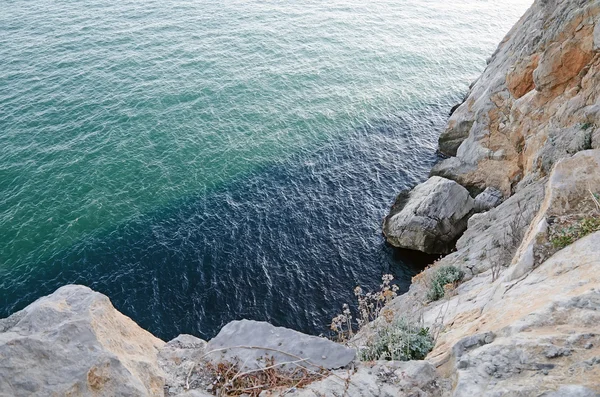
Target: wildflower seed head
<point x="387" y="278"/>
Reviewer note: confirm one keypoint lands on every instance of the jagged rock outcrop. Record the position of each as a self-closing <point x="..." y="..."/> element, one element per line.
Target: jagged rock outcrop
<point x="544" y="326"/>
<point x="492" y="237"/>
<point x="430" y="217"/>
<point x="74" y="343"/>
<point x="523" y="322"/>
<point x="569" y="203"/>
<point x="536" y="102"/>
<point x="488" y="199"/>
<point x="528" y="336"/>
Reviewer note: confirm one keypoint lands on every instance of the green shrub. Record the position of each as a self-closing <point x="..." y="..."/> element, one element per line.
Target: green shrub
<point x="589" y="226"/>
<point x="399" y="341"/>
<point x="577" y="230"/>
<point x="586" y="126"/>
<point x="441" y="277"/>
<point x="562" y="240"/>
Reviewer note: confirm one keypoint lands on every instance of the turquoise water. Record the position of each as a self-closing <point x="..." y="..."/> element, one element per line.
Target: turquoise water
<point x="221" y="159"/>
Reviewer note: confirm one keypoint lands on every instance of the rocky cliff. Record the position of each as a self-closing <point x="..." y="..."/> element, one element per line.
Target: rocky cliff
<point x="524" y="319"/>
<point x="535" y="103"/>
<point x="521" y="193"/>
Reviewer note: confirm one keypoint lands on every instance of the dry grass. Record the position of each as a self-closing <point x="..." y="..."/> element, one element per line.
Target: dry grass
<point x="229" y="380"/>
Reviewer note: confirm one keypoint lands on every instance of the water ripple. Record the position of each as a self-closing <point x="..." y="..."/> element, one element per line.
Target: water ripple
<point x="203" y="161"/>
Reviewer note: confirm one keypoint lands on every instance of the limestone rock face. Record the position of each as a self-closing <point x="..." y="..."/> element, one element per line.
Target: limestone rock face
<point x="381" y="379"/>
<point x="522" y="323"/>
<point x="177" y="359"/>
<point x="535" y="103"/>
<point x="529" y="336"/>
<point x="550" y="341"/>
<point x="524" y="320"/>
<point x="430" y="217"/>
<point x="569" y="196"/>
<point x="74" y="343"/>
<point x="571" y="391"/>
<point x="248" y="342"/>
<point x="450" y="141"/>
<point x="488" y="199"/>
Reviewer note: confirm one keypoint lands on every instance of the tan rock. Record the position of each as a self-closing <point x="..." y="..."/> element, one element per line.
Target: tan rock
<point x="520" y="78"/>
<point x="523" y="337"/>
<point x="516" y="133"/>
<point x="569" y="192"/>
<point x="74" y="343"/>
<point x="562" y="62"/>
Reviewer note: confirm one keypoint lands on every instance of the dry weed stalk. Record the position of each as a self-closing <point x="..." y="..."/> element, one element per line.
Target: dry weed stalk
<point x="231" y="381"/>
<point x="594" y="199"/>
<point x="370" y="306"/>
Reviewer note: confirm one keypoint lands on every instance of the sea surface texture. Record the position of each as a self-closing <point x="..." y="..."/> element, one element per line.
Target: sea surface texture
<point x="203" y="161"/>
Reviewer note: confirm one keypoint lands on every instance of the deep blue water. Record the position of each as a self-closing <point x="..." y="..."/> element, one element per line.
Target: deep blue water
<point x="202" y="161"/>
<point x="257" y="248"/>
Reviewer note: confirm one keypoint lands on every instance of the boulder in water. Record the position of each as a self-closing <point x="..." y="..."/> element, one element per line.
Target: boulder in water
<point x="430" y="217"/>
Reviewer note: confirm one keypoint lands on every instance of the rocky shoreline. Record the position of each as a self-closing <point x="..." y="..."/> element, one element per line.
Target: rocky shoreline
<point x="515" y="209"/>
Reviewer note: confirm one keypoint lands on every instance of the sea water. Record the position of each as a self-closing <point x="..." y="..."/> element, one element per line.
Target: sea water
<point x="202" y="161"/>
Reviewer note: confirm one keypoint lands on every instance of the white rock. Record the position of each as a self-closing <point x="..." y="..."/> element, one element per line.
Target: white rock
<point x="572" y="391"/>
<point x="569" y="191"/>
<point x="430" y="217"/>
<point x="177" y="359"/>
<point x="488" y="199"/>
<point x="378" y="379"/>
<point x="249" y="343"/>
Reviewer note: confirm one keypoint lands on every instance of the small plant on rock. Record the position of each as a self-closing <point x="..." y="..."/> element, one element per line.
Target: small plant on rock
<point x="400" y="341"/>
<point x="586" y="126"/>
<point x="386" y="338"/>
<point x="441" y="279"/>
<point x="577" y="230"/>
<point x="370" y="306"/>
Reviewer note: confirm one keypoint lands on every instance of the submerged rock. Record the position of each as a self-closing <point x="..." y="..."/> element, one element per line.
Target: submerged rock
<point x="249" y="343"/>
<point x="430" y="217"/>
<point x="75" y="343"/>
